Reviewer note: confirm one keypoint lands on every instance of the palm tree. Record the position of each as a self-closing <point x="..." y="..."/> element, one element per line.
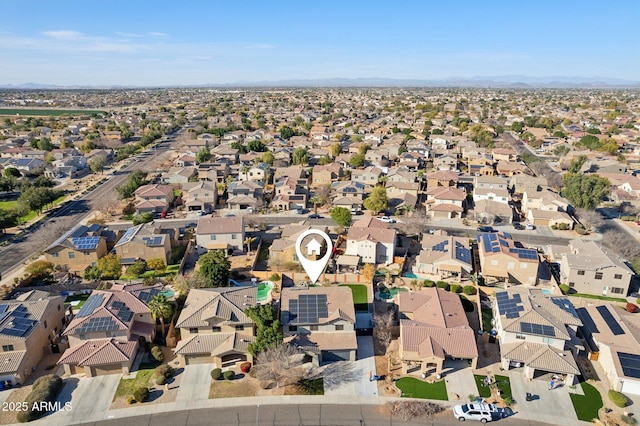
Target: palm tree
<point x="160" y="307"/>
<point x="315" y="201"/>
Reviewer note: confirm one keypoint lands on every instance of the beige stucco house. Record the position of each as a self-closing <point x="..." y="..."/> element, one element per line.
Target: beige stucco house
<point x="503" y="258"/>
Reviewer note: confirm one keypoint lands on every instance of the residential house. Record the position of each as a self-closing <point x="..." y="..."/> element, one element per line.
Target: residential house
<point x="401" y="175"/>
<point x="371" y="240"/>
<point x="105" y="335"/>
<point x="326" y="175"/>
<point x="142" y="242"/>
<point x="225" y="233"/>
<point x="444" y="256"/>
<point x="347" y="194"/>
<point x="537" y="332"/>
<point x="154" y="198"/>
<point x="544" y="200"/>
<point x="199" y="196"/>
<point x="283" y="249"/>
<point x="258" y="173"/>
<point x="30" y="326"/>
<point x="548" y="218"/>
<point x="509" y="168"/>
<point x="320" y="322"/>
<point x="445" y="201"/>
<point x="442" y="178"/>
<point x="491" y="211"/>
<point x="504" y="154"/>
<point x="368" y="176"/>
<point x="231" y="155"/>
<point x="398" y="189"/>
<point x="433" y="328"/>
<point x="179" y="175"/>
<point x="215" y="172"/>
<point x="214" y="328"/>
<point x="503" y="258"/>
<point x="446" y="162"/>
<point x="612" y="336"/>
<point x="499" y="195"/>
<point x="77" y="249"/>
<point x="245" y="195"/>
<point x="290" y="194"/>
<point x="590" y="268"/>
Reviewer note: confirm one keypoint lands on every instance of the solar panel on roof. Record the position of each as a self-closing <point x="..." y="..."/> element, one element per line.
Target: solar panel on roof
<point x="542" y="330"/>
<point x="147" y="295"/>
<point x="94" y="325"/>
<point x="93" y="302"/>
<point x="611" y="322"/>
<point x="309" y="308"/>
<point x="630" y="364"/>
<point x="507" y="235"/>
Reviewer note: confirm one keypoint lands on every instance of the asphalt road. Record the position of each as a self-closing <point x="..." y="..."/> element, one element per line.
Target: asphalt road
<point x="36" y="240"/>
<point x="295" y="415"/>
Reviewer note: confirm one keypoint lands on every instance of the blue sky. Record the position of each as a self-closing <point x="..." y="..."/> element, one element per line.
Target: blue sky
<point x="197" y="42"/>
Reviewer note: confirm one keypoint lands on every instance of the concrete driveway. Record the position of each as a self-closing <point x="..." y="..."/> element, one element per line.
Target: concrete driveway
<point x="458" y="376"/>
<point x="551" y="406"/>
<point x="90" y="399"/>
<point x="195" y="383"/>
<point x="352" y="377"/>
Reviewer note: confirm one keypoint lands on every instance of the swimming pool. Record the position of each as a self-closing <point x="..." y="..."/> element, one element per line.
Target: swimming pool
<point x="410" y="275"/>
<point x="545" y="291"/>
<point x="264" y="288"/>
<point x="387" y="294"/>
<point x="168" y="293"/>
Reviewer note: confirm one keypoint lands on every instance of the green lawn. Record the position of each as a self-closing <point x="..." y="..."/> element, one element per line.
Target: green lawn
<point x="81" y="297"/>
<point x="504" y="385"/>
<point x="144" y="378"/>
<point x="595" y="296"/>
<point x="414" y="388"/>
<point x="7" y="205"/>
<point x="467" y="304"/>
<point x="359" y="292"/>
<point x="587" y="405"/>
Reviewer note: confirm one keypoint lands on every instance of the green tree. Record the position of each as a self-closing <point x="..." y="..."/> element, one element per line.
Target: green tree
<point x="110" y="267"/>
<point x="267" y="328"/>
<point x="256" y="146"/>
<point x="585" y="191"/>
<point x="161" y="309"/>
<point x="341" y="216"/>
<point x="97" y="163"/>
<point x="157" y="264"/>
<point x="268" y="158"/>
<point x="241" y="148"/>
<point x="315" y="200"/>
<point x="40" y="269"/>
<point x="287" y="132"/>
<point x="12" y="172"/>
<point x="300" y="156"/>
<point x="324" y="160"/>
<point x="203" y="155"/>
<point x="214" y="268"/>
<point x="142" y="218"/>
<point x="8" y="218"/>
<point x="577" y="163"/>
<point x="356" y="161"/>
<point x="561" y="150"/>
<point x="589" y="141"/>
<point x="336" y="149"/>
<point x="377" y="201"/>
<point x="92" y="274"/>
<point x="37" y="198"/>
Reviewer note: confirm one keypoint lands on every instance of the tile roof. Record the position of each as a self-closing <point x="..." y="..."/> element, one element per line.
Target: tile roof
<point x="223" y="306"/>
<point x="541" y="357"/>
<point x="10" y="361"/>
<point x="455" y="342"/>
<point x="219" y="225"/>
<point x="100" y="352"/>
<point x="214" y="344"/>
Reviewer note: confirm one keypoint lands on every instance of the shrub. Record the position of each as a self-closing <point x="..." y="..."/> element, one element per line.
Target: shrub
<point x="161" y="380"/>
<point x="245" y="367"/>
<point x="443" y="284"/>
<point x="428" y="283"/>
<point x="275" y="278"/>
<point x="455" y="288"/>
<point x="228" y="375"/>
<point x="562" y="226"/>
<point x="554" y="226"/>
<point x="632" y="308"/>
<point x="141" y="394"/>
<point x="164" y="370"/>
<point x="44" y="389"/>
<point x="130" y="399"/>
<point x="216" y="373"/>
<point x="156" y="353"/>
<point x="252" y="372"/>
<point x="469" y="290"/>
<point x="617" y="398"/>
<point x="564" y="288"/>
<point x="628" y="419"/>
<point x="580" y="230"/>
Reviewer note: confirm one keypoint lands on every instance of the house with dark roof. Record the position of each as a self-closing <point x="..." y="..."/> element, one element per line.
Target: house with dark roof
<point x="78" y="249"/>
<point x="444" y="256"/>
<point x="30" y="326"/>
<point x="320" y="322"/>
<point x="537" y="332"/>
<point x="433" y="328"/>
<point x="142" y="242"/>
<point x="347" y="194"/>
<point x="106" y="333"/>
<point x="214" y="328"/>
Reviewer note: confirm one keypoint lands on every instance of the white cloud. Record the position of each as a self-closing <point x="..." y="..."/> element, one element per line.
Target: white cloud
<point x="63" y="34"/>
<point x="157" y="34"/>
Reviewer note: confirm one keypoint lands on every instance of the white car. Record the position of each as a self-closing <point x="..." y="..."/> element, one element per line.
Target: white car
<point x="387" y="219"/>
<point x="529" y="227"/>
<point x="473" y="411"/>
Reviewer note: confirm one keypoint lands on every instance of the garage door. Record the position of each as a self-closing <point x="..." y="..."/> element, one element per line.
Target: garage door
<point x="331" y="356"/>
<point x="631" y="386"/>
<point x="202" y="359"/>
<point x="108" y="369"/>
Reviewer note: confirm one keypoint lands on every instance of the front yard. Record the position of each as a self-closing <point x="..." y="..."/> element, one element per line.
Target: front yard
<point x="587" y="405"/>
<point x="414" y="388"/>
<point x="245" y="386"/>
<point x="503" y="383"/>
<point x="144" y="378"/>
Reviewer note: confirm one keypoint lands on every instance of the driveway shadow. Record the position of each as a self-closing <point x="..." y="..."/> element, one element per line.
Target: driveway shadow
<point x="338" y="373"/>
<point x="68" y="386"/>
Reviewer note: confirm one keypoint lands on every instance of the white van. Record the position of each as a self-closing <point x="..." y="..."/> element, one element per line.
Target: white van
<point x="471" y="411"/>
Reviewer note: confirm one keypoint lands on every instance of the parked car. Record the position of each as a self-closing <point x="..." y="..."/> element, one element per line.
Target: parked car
<point x="486" y="229"/>
<point x="473" y="411"/>
<point x="314" y="216"/>
<point x="529" y="227"/>
<point x="387" y="219"/>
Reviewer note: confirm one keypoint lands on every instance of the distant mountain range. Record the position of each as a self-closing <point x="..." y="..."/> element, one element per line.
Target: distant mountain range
<point x="504" y="81"/>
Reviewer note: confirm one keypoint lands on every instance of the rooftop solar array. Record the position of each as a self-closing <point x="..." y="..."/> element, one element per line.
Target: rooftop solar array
<point x="92" y="303"/>
<point x="462" y="253"/>
<point x="611" y="322"/>
<point x="147" y="295"/>
<point x="630" y="364"/>
<point x="524" y="253"/>
<point x="94" y="325"/>
<point x="507" y="235"/>
<point x="510" y="307"/>
<point x="152" y="240"/>
<point x="441" y="246"/>
<point x="490" y="242"/>
<point x="309" y="308"/>
<point x="565" y="305"/>
<point x="542" y="330"/>
<point x="129" y="234"/>
<point x="122" y="311"/>
<point x="85" y="243"/>
<point x="18" y="327"/>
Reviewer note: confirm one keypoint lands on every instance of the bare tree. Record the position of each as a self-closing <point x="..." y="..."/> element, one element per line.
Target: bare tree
<point x="184" y="284"/>
<point x="107" y="206"/>
<point x="621" y="243"/>
<point x="408" y="410"/>
<point x="49" y="231"/>
<point x="590" y="219"/>
<point x="383" y="327"/>
<point x="281" y="364"/>
<point x="415" y="225"/>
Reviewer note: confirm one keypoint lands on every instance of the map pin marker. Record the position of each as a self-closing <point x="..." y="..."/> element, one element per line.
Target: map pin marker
<point x="313" y="268"/>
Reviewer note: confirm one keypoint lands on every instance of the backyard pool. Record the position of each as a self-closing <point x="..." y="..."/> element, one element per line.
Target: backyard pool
<point x="168" y="292"/>
<point x="264" y="288"/>
<point x="387" y="294"/>
<point x="545" y="291"/>
<point x="410" y="275"/>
